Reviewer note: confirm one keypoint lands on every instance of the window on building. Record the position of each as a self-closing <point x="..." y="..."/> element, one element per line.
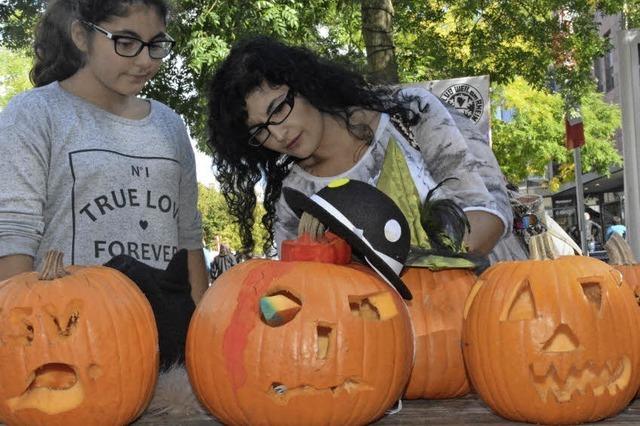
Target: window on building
<point x="597" y="73"/>
<point x="608" y="67"/>
<point x="504" y="114"/>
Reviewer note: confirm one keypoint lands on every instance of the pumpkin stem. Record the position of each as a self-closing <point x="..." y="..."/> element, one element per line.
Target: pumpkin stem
<point x="53" y="267"/>
<point x="619" y="251"/>
<point x="541" y="247"/>
<point x="309" y="224"/>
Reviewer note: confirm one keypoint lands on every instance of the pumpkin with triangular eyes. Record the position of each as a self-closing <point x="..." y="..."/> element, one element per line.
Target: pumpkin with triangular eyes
<point x="553" y="341"/>
<point x="293" y="342"/>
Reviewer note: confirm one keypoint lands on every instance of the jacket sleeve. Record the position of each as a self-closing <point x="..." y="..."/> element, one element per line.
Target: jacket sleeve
<point x="486" y="164"/>
<point x="479" y="185"/>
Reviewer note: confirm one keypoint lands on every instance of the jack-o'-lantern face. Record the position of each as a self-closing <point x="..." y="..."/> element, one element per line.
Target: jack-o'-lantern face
<point x="56" y="382"/>
<point x="300" y="342"/>
<point x="75" y="347"/>
<point x="553" y="341"/>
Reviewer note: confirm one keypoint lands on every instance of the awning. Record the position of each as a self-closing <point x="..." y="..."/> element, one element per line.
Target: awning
<point x="593" y="183"/>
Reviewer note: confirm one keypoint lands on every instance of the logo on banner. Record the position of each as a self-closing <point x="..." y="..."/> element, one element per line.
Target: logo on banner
<point x="466" y="99"/>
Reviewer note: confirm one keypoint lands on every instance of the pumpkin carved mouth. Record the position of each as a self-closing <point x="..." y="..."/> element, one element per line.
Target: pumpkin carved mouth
<point x="54" y="388"/>
<point x="610" y="377"/>
<point x="283" y="394"/>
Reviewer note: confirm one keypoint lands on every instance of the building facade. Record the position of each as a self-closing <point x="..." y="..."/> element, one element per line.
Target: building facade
<point x="603" y="195"/>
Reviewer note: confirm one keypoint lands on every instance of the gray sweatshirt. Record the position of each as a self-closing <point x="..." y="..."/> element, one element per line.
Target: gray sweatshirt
<point x="76" y="178"/>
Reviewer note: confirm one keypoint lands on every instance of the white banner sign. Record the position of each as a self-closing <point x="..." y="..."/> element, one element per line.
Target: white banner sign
<point x="468" y="95"/>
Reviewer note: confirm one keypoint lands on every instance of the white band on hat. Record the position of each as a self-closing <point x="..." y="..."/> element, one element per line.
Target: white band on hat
<point x="391" y="262"/>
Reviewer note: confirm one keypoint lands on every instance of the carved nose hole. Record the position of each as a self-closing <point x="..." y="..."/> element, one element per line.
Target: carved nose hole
<point x="323" y="339"/>
<point x="279" y="308"/>
<point x="593" y="293"/>
<point x="563" y="340"/>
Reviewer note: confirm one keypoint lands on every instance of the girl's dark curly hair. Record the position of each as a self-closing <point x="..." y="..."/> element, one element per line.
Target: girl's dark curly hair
<point x="329" y="87"/>
<point x="57" y="57"/>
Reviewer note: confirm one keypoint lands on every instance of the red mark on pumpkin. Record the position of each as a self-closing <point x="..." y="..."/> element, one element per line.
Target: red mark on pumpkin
<point x="246" y="316"/>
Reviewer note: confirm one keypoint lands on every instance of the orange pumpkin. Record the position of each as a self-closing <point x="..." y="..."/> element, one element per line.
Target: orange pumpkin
<point x="77" y="347"/>
<point x="621" y="258"/>
<point x="337" y="351"/>
<point x="436" y="313"/>
<point x="553" y="341"/>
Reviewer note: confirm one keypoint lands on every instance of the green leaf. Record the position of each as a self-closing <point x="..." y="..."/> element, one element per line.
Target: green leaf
<point x="396" y="181"/>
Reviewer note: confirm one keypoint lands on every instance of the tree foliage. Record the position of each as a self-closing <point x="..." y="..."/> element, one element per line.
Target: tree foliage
<point x="433" y="39"/>
<point x="216" y="220"/>
<point x="17" y="21"/>
<point x="534" y="135"/>
<point x="14" y="74"/>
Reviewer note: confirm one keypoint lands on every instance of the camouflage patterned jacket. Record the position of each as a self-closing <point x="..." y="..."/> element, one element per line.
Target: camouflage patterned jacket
<point x="450" y="145"/>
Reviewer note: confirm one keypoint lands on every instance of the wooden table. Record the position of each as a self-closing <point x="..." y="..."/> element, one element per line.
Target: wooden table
<point x="462" y="411"/>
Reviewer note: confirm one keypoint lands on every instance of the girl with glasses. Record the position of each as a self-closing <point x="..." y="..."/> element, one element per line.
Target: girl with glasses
<point x="89" y="167"/>
<point x="283" y="114"/>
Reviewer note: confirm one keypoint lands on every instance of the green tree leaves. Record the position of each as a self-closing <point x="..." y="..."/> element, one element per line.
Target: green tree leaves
<point x="217" y="221"/>
<point x="534" y="136"/>
<point x="510" y="40"/>
<point x="14" y="74"/>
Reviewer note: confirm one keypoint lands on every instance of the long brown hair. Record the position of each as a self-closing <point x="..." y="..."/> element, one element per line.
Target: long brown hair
<point x="57" y="57"/>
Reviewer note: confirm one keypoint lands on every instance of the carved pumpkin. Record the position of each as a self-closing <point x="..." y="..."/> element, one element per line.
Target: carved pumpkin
<point x="77" y="347"/>
<point x="553" y="341"/>
<point x="299" y="342"/>
<point x="436" y="313"/>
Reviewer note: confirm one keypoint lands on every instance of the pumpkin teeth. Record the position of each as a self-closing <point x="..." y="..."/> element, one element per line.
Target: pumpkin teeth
<point x="565" y="371"/>
<point x="609" y="376"/>
<point x="284" y="394"/>
<point x="540" y="369"/>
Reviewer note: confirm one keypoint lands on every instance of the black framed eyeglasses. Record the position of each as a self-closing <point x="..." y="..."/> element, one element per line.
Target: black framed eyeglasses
<point x="129" y="46"/>
<point x="259" y="133"/>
